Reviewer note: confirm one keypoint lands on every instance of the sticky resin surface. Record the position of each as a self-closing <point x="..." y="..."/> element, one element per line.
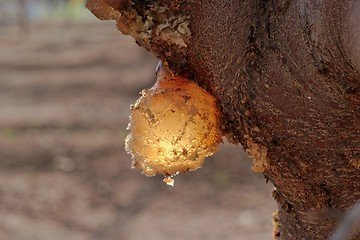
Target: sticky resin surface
<point x="173" y="127"/>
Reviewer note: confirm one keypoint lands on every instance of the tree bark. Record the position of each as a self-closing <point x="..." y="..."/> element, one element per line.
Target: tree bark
<point x="286" y="76"/>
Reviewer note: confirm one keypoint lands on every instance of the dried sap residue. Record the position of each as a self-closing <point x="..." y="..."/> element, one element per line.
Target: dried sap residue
<point x="174" y="126"/>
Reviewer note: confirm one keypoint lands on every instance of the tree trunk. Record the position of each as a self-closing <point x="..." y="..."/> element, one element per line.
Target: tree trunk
<point x="286" y="76"/>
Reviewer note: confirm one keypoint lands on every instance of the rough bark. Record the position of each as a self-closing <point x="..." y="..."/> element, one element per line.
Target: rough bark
<point x="287" y="85"/>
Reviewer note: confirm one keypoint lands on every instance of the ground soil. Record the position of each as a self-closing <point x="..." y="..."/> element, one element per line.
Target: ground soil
<point x="65" y="92"/>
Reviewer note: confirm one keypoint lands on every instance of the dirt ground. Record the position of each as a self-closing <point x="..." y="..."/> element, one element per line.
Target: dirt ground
<point x="65" y="92"/>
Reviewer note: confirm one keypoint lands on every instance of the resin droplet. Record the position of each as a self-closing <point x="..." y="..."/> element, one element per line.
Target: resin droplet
<point x="169" y="181"/>
<point x="174" y="126"/>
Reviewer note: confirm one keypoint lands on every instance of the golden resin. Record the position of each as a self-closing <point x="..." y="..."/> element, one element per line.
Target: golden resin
<point x="173" y="127"/>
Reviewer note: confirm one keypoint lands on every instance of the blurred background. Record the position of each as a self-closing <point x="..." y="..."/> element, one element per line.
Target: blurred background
<point x="66" y="83"/>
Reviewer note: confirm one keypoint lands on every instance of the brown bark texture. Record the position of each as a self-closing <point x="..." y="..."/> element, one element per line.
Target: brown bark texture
<point x="287" y="89"/>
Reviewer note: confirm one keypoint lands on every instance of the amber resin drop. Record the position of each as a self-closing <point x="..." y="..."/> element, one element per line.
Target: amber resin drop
<point x="173" y="127"/>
